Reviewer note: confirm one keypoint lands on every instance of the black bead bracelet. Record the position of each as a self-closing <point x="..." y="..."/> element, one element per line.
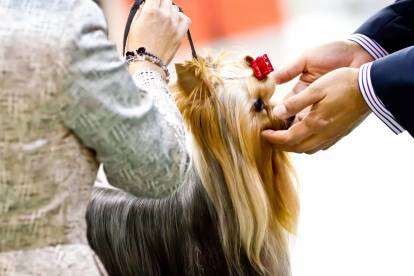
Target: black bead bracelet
<point x="141" y="54"/>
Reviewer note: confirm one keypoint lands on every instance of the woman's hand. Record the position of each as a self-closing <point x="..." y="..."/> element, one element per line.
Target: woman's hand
<point x="159" y="27"/>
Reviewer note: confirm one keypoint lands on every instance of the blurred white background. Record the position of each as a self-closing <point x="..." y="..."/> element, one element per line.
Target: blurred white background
<point x="357" y="198"/>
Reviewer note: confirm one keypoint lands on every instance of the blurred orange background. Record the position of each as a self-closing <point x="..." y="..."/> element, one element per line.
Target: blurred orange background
<point x="215" y="19"/>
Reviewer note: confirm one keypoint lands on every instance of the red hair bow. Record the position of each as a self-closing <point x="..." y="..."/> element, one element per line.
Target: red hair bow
<point x="261" y="66"/>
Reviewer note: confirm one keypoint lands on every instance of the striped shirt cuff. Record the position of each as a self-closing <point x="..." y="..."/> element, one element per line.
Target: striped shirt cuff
<point x="370" y="45"/>
<point x="374" y="103"/>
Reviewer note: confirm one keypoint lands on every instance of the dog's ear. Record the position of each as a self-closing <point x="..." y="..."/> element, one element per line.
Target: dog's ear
<point x="193" y="78"/>
<point x="196" y="98"/>
<point x="193" y="90"/>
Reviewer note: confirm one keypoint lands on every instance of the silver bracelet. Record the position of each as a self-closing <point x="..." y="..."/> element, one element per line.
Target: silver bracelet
<point x="141" y="54"/>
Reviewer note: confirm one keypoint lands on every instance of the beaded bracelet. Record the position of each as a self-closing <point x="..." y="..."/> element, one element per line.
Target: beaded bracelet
<point x="141" y="54"/>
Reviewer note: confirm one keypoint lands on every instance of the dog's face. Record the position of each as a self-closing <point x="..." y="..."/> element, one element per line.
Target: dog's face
<point x="221" y="97"/>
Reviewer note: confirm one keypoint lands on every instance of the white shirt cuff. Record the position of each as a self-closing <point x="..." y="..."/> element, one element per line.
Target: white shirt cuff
<point x="374" y="103"/>
<point x="370" y="45"/>
<point x="149" y="79"/>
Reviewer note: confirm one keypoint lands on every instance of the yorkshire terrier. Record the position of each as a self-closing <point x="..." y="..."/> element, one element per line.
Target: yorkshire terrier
<point x="234" y="214"/>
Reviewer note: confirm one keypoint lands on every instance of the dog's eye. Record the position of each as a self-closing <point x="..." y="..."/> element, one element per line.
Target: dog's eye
<point x="259" y="105"/>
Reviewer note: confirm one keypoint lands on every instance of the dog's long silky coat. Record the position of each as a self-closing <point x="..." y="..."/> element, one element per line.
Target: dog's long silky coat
<point x="234" y="213"/>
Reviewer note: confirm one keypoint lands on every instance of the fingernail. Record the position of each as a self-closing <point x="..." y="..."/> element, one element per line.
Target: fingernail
<point x="276" y="78"/>
<point x="281" y="112"/>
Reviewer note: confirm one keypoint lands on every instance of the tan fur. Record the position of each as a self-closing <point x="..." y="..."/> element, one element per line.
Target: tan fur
<point x="249" y="182"/>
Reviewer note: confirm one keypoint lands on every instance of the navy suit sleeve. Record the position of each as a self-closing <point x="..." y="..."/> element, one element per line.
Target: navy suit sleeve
<point x="392" y="27"/>
<point x="393" y="81"/>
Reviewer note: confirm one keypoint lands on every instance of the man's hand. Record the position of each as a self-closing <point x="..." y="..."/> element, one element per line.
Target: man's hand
<point x="316" y="62"/>
<point x="337" y="107"/>
<point x="322" y="104"/>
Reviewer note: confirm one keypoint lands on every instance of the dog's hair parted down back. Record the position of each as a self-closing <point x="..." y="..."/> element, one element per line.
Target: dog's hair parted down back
<point x="234" y="213"/>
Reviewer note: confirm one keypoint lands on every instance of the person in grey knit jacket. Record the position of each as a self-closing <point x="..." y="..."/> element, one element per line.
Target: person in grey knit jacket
<point x="67" y="102"/>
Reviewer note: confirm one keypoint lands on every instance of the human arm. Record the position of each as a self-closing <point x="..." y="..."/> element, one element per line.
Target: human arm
<point x="389" y="30"/>
<point x="387" y="85"/>
<point x="395" y="20"/>
<point x="341" y="99"/>
<point x="116" y="117"/>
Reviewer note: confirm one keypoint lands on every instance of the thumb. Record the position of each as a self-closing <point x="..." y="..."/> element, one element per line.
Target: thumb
<point x="294" y="104"/>
<point x="291" y="71"/>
